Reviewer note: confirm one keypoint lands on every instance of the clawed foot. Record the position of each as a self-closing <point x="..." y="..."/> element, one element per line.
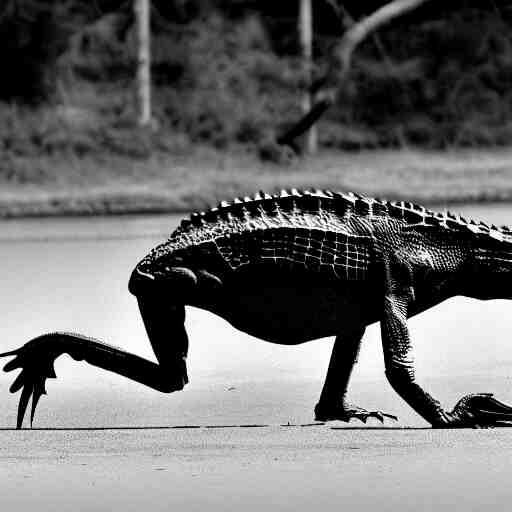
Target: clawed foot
<point x="345" y="412"/>
<point x="479" y="410"/>
<point x="36" y="366"/>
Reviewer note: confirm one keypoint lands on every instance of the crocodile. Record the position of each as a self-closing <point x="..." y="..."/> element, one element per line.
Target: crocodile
<point x="295" y="266"/>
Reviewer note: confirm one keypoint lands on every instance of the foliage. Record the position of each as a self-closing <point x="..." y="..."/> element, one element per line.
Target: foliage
<point x="446" y="82"/>
<point x="231" y="85"/>
<point x="228" y="73"/>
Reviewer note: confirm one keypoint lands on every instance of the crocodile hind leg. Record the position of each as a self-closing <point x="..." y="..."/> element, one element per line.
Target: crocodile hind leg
<point x="332" y="404"/>
<point x="164" y="324"/>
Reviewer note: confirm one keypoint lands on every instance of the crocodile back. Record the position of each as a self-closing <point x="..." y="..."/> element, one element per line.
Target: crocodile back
<point x="321" y="230"/>
<point x="318" y="230"/>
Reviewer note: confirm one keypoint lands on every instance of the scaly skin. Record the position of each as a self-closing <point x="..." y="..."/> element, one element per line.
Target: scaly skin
<point x="294" y="267"/>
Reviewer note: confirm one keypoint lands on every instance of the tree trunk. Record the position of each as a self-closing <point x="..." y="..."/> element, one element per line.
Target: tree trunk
<point x="326" y="89"/>
<point x="141" y="8"/>
<point x="306" y="43"/>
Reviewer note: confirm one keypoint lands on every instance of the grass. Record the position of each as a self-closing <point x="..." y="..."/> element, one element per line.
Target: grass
<point x="197" y="177"/>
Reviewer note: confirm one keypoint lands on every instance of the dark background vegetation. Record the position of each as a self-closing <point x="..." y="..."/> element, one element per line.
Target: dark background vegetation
<point x="229" y="73"/>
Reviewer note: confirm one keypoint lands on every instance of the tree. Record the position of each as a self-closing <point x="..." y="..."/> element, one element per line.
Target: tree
<point x="325" y="90"/>
<point x="306" y="43"/>
<point x="31" y="39"/>
<point x="142" y="18"/>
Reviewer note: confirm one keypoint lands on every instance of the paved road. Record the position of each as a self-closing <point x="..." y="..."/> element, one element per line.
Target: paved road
<point x="253" y="469"/>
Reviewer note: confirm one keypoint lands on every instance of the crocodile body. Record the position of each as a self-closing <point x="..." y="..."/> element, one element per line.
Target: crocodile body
<point x="299" y="259"/>
<point x="297" y="266"/>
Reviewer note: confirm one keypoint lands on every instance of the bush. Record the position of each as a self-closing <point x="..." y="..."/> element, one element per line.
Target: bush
<point x="230" y="87"/>
<point x="444" y="83"/>
<point x="31" y="38"/>
<point x="224" y="76"/>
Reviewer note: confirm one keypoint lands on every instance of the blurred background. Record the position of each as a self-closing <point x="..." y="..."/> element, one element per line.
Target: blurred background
<point x="203" y="99"/>
<point x="165" y="106"/>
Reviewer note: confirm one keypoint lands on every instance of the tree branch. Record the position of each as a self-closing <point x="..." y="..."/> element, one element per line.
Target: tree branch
<point x="308" y="120"/>
<point x="358" y="32"/>
<point x="327" y="87"/>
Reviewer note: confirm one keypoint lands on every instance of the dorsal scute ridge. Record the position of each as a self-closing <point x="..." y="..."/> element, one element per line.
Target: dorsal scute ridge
<point x="348" y="202"/>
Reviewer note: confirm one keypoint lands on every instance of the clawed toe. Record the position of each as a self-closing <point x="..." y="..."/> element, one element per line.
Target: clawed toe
<point x="346" y="413"/>
<point x="480" y="410"/>
<point x="364" y="415"/>
<point x="31" y="380"/>
<point x="34" y="390"/>
<point x="381" y="415"/>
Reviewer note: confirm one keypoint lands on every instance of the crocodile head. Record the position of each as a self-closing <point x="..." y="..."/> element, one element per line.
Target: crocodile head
<point x="161" y="272"/>
<point x="156" y="265"/>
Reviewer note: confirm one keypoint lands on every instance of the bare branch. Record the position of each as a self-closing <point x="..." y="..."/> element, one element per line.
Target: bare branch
<point x="308" y="120"/>
<point x="359" y="31"/>
<point x="327" y="87"/>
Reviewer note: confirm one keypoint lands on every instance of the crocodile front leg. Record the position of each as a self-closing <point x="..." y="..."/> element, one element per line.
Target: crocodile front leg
<point x="332" y="404"/>
<point x="474" y="410"/>
<point x="480" y="410"/>
<point x="399" y="362"/>
<point x="166" y="331"/>
<point x="399" y="294"/>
